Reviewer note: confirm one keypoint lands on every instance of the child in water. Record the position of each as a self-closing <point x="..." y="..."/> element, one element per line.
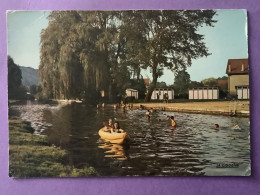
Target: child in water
<point x="216" y="127"/>
<point x="173" y="123"/>
<point x="235" y="127"/>
<point x="147" y="112"/>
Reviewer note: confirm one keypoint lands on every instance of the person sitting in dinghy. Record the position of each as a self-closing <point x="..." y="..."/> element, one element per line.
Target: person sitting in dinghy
<point x="117" y="128"/>
<point x="107" y="128"/>
<point x="110" y="123"/>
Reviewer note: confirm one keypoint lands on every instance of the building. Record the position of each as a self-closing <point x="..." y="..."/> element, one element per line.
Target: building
<point x="204" y="93"/>
<point x="238" y="78"/>
<point x="132" y="93"/>
<point x="159" y="93"/>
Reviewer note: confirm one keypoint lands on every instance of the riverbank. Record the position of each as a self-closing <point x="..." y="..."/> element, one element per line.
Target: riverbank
<point x="238" y="108"/>
<point x="32" y="156"/>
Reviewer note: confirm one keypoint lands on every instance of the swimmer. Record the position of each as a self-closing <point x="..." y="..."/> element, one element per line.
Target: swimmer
<point x="97" y="106"/>
<point x="216" y="127"/>
<point x="103" y="105"/>
<point x="159" y="120"/>
<point x="168" y="118"/>
<point x="236" y="127"/>
<point x="115" y="106"/>
<point x="147" y="112"/>
<point x="148" y="117"/>
<point x="173" y="123"/>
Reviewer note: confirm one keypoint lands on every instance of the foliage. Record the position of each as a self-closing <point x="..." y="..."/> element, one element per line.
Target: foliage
<point x="195" y="84"/>
<point x="80" y="54"/>
<point x="161" y="85"/>
<point x="181" y="83"/>
<point x="159" y="39"/>
<point x="138" y="84"/>
<point x="210" y="82"/>
<point x="85" y="52"/>
<point x="15" y="89"/>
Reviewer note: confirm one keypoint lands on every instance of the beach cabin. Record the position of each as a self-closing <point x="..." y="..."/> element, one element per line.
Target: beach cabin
<point x="132" y="93"/>
<point x="204" y="93"/>
<point x="238" y="78"/>
<point x="159" y="93"/>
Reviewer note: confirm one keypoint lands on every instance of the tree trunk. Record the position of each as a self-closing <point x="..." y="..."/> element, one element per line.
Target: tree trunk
<point x="151" y="86"/>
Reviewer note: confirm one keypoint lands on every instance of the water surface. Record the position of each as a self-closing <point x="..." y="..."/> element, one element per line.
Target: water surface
<point x="193" y="148"/>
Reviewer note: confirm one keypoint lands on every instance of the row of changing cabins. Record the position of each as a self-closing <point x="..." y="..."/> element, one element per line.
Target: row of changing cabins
<point x="195" y="93"/>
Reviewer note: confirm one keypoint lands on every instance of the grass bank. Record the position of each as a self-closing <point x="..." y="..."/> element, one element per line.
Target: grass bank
<point x="32" y="156"/>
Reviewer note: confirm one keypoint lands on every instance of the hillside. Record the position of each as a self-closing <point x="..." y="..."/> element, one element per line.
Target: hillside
<point x="29" y="76"/>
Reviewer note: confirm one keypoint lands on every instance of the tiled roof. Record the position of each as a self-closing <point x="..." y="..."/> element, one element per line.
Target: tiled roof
<point x="237" y="66"/>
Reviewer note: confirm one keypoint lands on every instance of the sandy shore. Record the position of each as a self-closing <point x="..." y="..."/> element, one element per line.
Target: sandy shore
<point x="240" y="108"/>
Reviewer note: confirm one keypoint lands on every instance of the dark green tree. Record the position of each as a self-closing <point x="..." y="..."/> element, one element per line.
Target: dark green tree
<point x="161" y="85"/>
<point x="15" y="89"/>
<point x="165" y="38"/>
<point x="195" y="84"/>
<point x="181" y="83"/>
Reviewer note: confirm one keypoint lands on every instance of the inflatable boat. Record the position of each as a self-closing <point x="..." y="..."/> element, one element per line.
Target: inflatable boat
<point x="115" y="138"/>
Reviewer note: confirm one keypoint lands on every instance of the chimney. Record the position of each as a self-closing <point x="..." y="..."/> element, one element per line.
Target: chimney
<point x="229" y="68"/>
<point x="243" y="68"/>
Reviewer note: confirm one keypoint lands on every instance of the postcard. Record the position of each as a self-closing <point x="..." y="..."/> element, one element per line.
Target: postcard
<point x="128" y="93"/>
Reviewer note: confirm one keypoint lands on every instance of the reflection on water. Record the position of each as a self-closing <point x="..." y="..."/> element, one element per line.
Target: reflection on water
<point x="114" y="151"/>
<point x="193" y="148"/>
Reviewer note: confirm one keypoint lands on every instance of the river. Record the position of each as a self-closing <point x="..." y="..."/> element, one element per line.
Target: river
<point x="193" y="148"/>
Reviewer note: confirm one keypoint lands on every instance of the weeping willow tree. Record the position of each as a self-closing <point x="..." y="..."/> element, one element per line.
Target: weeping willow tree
<point x="80" y="55"/>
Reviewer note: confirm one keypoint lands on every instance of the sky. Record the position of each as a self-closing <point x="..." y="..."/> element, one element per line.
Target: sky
<point x="226" y="40"/>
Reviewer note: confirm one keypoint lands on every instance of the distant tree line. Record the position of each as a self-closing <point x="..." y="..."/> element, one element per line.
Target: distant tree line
<point x="84" y="52"/>
<point x="16" y="90"/>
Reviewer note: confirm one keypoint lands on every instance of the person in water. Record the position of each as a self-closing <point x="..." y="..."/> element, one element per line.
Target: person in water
<point x="148" y="117"/>
<point x="173" y="123"/>
<point x="216" y="127"/>
<point x="147" y="112"/>
<point x="235" y="127"/>
<point x="159" y="120"/>
<point x="168" y="118"/>
<point x="117" y="128"/>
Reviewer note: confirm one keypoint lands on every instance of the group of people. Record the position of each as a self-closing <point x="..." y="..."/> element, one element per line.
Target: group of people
<point x="151" y="110"/>
<point x="111" y="127"/>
